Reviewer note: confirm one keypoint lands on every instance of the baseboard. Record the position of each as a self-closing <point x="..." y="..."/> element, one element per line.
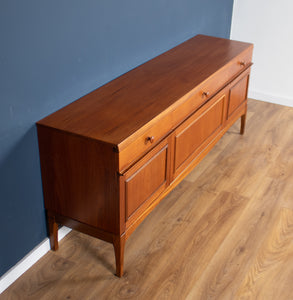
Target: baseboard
<point x="270" y="98"/>
<point x="31" y="258"/>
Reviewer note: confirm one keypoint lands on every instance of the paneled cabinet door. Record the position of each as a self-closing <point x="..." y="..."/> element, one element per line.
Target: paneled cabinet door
<point x="143" y="182"/>
<point x="238" y="94"/>
<point x="198" y="131"/>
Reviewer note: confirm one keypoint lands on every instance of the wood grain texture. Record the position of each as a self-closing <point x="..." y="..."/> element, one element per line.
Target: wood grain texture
<point x="146" y="179"/>
<point x="225" y="232"/>
<point x="125" y="105"/>
<point x="268" y="265"/>
<point x="87" y="146"/>
<point x="238" y="94"/>
<point x="195" y="133"/>
<point x="80" y="179"/>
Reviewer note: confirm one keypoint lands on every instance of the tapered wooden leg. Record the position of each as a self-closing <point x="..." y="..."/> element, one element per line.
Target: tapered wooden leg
<point x="243" y="121"/>
<point x="53" y="233"/>
<point x="119" y="245"/>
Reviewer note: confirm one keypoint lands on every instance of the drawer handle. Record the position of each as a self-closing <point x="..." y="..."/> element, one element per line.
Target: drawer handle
<point x="205" y="94"/>
<point x="242" y="63"/>
<point x="150" y="139"/>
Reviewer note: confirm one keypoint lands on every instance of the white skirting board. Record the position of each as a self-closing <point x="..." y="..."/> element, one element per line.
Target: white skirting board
<point x="32" y="257"/>
<point x="258" y="95"/>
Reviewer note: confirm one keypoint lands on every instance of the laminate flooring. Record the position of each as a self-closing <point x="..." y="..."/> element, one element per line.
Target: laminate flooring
<point x="225" y="232"/>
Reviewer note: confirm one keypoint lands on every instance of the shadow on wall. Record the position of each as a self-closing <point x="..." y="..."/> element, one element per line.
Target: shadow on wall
<point x="22" y="214"/>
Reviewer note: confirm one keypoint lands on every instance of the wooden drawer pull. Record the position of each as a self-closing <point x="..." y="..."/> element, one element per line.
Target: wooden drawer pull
<point x="150" y="139"/>
<point x="205" y="94"/>
<point x="242" y="63"/>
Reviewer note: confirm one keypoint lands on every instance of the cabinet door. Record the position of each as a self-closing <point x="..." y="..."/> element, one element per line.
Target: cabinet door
<point x="146" y="180"/>
<point x="195" y="134"/>
<point x="238" y="94"/>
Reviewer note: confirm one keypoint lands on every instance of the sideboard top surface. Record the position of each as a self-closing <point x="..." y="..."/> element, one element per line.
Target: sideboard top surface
<point x="113" y="112"/>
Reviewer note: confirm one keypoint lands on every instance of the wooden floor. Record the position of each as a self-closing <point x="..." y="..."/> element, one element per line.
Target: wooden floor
<point x="226" y="232"/>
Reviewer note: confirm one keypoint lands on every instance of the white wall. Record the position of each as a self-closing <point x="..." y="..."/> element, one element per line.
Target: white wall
<point x="269" y="25"/>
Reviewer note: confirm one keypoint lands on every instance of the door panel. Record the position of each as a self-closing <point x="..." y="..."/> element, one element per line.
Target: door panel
<point x="238" y="94"/>
<point x="194" y="134"/>
<point x="146" y="179"/>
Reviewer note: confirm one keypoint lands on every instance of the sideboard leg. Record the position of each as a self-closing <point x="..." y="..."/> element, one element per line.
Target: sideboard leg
<point x="119" y="245"/>
<point x="53" y="233"/>
<point x="243" y="121"/>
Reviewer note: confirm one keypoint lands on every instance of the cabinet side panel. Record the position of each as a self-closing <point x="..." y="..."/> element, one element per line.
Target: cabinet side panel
<point x="80" y="179"/>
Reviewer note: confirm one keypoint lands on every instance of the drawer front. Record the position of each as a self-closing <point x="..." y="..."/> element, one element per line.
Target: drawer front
<point x="196" y="133"/>
<point x="148" y="140"/>
<point x="146" y="180"/>
<point x="153" y="132"/>
<point x="223" y="76"/>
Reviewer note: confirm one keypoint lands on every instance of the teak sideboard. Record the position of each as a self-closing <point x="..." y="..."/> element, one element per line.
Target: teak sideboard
<point x="110" y="157"/>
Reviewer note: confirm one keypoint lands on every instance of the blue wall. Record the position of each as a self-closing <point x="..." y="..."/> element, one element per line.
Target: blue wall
<point x="53" y="52"/>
